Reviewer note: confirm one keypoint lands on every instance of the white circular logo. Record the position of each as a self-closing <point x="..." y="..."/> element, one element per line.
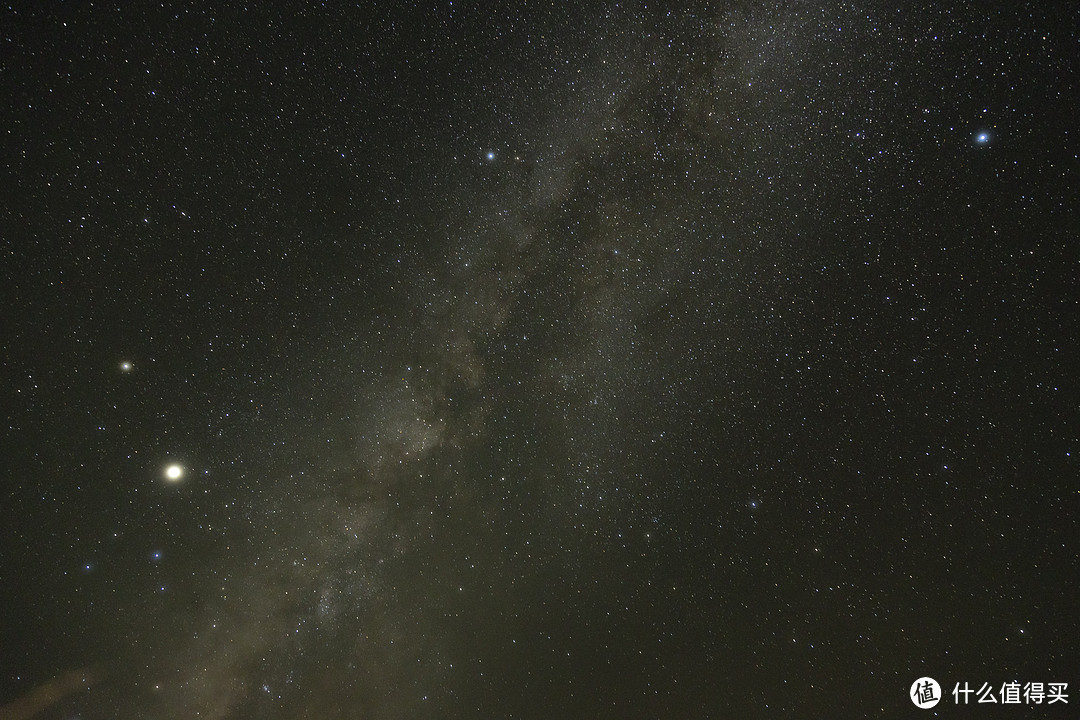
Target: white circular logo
<point x="925" y="693"/>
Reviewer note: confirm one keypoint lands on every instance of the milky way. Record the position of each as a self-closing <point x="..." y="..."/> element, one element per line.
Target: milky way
<point x="616" y="363"/>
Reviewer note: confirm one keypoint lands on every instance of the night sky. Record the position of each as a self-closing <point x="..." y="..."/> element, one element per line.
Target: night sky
<point x="572" y="360"/>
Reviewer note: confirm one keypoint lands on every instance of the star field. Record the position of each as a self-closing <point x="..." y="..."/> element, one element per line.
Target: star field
<point x="597" y="361"/>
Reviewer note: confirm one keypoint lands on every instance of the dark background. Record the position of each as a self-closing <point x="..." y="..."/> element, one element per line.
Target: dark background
<point x="597" y="361"/>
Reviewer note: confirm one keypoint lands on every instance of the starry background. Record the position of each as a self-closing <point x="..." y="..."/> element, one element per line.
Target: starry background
<point x="584" y="361"/>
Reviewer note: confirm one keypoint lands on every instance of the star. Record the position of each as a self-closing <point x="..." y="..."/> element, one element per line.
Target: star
<point x="490" y="156"/>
